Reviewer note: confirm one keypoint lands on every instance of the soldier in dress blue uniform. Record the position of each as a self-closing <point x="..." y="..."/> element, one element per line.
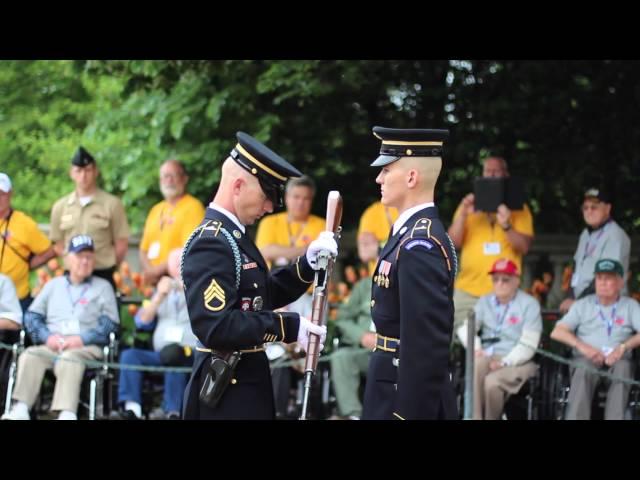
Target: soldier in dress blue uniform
<point x="230" y="292"/>
<point x="412" y="292"/>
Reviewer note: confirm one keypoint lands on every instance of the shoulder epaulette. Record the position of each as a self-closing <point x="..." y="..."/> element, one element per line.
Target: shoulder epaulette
<point x="211" y="226"/>
<point x="422" y="229"/>
<point x="422" y="226"/>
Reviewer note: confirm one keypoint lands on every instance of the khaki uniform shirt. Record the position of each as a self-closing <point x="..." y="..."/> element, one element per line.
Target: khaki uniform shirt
<point x="103" y="218"/>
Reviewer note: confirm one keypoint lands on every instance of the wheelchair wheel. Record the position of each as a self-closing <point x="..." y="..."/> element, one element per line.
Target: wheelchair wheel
<point x="559" y="393"/>
<point x="5" y="362"/>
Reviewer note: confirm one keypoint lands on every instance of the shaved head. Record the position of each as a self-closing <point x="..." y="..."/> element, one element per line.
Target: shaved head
<point x="232" y="171"/>
<point x="241" y="194"/>
<point x="409" y="181"/>
<point x="428" y="169"/>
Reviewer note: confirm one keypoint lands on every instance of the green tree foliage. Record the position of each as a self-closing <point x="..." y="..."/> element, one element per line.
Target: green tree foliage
<point x="44" y="110"/>
<point x="559" y="124"/>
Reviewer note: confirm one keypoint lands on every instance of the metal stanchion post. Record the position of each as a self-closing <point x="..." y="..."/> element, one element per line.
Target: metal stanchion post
<point x="469" y="366"/>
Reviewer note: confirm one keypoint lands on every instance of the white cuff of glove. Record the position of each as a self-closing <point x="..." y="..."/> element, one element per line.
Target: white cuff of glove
<point x="306" y="328"/>
<point x="325" y="241"/>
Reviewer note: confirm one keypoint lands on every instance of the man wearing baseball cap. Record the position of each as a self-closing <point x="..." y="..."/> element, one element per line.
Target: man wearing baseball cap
<point x="23" y="246"/>
<point x="601" y="238"/>
<point x="602" y="329"/>
<point x="509" y="324"/>
<point x="69" y="322"/>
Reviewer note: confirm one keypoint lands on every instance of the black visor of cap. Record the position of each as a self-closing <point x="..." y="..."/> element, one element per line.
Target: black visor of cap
<point x="273" y="192"/>
<point x="271" y="170"/>
<point x="383" y="160"/>
<point x="398" y="143"/>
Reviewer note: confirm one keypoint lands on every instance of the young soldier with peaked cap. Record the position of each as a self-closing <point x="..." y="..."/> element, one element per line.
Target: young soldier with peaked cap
<point x="412" y="294"/>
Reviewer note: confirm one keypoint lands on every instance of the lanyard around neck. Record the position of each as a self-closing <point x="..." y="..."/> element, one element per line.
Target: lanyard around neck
<point x="293" y="240"/>
<point x="607" y="323"/>
<point x="80" y="297"/>
<point x="500" y="319"/>
<point x="588" y="251"/>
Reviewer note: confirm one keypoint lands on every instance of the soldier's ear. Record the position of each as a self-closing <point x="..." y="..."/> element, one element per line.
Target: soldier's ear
<point x="412" y="178"/>
<point x="237" y="185"/>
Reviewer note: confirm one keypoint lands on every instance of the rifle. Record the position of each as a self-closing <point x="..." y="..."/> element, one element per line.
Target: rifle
<point x="320" y="294"/>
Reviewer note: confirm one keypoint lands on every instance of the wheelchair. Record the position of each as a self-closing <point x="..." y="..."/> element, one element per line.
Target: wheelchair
<point x="9" y="365"/>
<point x="561" y="385"/>
<point x="526" y="404"/>
<point x="96" y="392"/>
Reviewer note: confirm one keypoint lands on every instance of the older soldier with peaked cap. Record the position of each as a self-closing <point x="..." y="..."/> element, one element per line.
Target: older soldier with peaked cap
<point x="231" y="295"/>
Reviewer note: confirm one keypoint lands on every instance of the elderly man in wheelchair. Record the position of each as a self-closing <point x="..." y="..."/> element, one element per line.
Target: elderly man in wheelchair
<point x="69" y="322"/>
<point x="601" y="329"/>
<point x="510" y="324"/>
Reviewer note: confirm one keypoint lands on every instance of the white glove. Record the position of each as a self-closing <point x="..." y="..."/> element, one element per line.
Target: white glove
<point x="306" y="328"/>
<point x="325" y="241"/>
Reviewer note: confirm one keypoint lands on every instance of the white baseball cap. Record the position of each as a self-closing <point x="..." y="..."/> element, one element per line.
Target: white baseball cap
<point x="5" y="182"/>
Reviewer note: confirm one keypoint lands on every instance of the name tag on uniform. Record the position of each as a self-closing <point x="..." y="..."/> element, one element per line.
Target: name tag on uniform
<point x="173" y="334"/>
<point x="491" y="248"/>
<point x="154" y="251"/>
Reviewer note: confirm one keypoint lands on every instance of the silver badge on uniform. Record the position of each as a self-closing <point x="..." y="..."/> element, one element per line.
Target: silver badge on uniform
<point x="237" y="234"/>
<point x="257" y="304"/>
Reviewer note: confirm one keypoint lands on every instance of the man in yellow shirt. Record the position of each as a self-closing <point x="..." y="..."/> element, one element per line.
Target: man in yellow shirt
<point x="284" y="236"/>
<point x="281" y="238"/>
<point x="170" y="222"/>
<point x="378" y="219"/>
<point x="22" y="245"/>
<point x="483" y="238"/>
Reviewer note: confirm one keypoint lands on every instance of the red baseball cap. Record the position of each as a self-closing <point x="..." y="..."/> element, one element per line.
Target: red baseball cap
<point x="505" y="265"/>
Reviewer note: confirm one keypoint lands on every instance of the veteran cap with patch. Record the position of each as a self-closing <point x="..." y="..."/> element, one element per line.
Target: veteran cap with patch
<point x="599" y="193"/>
<point x="271" y="170"/>
<point x="80" y="243"/>
<point x="414" y="142"/>
<point x="607" y="265"/>
<point x="506" y="266"/>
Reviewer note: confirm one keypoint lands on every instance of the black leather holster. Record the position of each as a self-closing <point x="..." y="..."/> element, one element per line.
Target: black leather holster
<point x="218" y="376"/>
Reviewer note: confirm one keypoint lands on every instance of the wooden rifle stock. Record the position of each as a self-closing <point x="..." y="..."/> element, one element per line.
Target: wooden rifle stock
<point x="321" y="281"/>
